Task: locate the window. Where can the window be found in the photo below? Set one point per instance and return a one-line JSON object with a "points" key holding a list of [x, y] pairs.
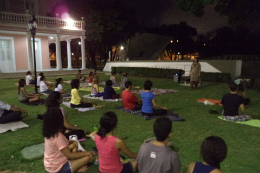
{"points": [[7, 62]]}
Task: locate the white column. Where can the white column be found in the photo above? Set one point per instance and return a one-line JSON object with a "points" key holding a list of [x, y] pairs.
{"points": [[58, 53], [29, 47], [83, 54], [69, 54]]}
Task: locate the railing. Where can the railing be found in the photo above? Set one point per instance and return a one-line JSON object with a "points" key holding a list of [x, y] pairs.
{"points": [[6, 17]]}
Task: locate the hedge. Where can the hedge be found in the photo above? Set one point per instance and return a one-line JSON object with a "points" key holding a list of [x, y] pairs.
{"points": [[148, 72], [168, 73]]}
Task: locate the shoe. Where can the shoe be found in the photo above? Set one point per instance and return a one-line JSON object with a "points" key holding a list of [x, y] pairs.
{"points": [[96, 161], [75, 138]]}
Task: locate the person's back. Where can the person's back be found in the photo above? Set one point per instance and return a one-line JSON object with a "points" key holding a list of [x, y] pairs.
{"points": [[157, 159], [59, 88], [231, 103], [108, 92], [202, 168], [147, 98], [109, 156], [28, 79], [22, 97], [129, 99]]}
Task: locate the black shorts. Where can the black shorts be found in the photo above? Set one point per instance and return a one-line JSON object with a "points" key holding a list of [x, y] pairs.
{"points": [[127, 168], [25, 101]]}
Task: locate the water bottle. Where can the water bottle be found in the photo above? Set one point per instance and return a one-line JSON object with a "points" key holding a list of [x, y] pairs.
{"points": [[95, 128]]}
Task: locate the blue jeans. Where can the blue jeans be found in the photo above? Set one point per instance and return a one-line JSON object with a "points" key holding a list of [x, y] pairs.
{"points": [[66, 168]]}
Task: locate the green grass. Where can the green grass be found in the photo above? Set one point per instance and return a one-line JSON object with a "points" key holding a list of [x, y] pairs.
{"points": [[243, 141]]}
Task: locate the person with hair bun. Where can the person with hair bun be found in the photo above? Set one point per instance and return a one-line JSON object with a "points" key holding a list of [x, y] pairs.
{"points": [[109, 147], [24, 97], [59, 88], [213, 151], [60, 155], [29, 79]]}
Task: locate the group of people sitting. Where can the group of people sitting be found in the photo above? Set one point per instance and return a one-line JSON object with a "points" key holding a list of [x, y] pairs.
{"points": [[61, 156]]}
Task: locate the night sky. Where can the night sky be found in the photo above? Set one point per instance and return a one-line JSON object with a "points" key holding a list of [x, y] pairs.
{"points": [[153, 13]]}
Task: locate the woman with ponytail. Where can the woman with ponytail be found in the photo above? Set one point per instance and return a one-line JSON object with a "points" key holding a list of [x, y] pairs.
{"points": [[109, 147], [213, 151], [59, 88], [24, 97]]}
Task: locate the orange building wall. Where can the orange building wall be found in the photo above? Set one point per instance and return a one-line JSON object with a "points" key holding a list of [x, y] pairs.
{"points": [[45, 52]]}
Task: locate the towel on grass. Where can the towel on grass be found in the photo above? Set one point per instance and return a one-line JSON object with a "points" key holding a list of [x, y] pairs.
{"points": [[156, 91], [251, 122], [13, 126], [101, 89], [171, 116], [101, 98], [79, 109]]}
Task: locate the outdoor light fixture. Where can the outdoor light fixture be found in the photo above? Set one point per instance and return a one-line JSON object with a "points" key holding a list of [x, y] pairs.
{"points": [[51, 38], [177, 41], [32, 25], [79, 43], [70, 23], [122, 47], [171, 41], [72, 53]]}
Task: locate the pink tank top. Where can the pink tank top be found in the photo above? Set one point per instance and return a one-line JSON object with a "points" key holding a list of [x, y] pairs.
{"points": [[109, 156]]}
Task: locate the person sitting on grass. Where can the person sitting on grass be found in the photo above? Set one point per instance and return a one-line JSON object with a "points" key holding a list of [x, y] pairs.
{"points": [[44, 87], [242, 93], [231, 102], [76, 100], [54, 100], [149, 102], [95, 74], [109, 92], [10, 113], [113, 78], [109, 147], [59, 88], [39, 79], [80, 76], [61, 155], [94, 87], [123, 81], [24, 97], [213, 151], [29, 79], [130, 101], [157, 156], [90, 79]]}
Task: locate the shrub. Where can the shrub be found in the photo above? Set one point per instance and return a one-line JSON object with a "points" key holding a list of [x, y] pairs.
{"points": [[148, 72]]}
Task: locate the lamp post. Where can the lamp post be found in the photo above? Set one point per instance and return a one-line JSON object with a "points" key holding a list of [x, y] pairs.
{"points": [[32, 27]]}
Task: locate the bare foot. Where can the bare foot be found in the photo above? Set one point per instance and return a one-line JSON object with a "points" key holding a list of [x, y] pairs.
{"points": [[83, 169]]}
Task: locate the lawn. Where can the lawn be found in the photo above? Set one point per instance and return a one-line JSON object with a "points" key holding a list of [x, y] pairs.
{"points": [[242, 140]]}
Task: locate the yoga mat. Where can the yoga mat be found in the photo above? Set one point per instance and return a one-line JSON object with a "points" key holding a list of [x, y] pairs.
{"points": [[33, 151], [13, 126], [101, 89], [252, 122], [79, 109], [101, 98], [156, 91], [215, 102]]}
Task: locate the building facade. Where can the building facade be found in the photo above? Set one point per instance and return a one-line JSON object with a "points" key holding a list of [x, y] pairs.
{"points": [[16, 45]]}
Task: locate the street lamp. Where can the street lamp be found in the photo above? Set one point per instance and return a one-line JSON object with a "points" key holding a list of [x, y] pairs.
{"points": [[32, 27]]}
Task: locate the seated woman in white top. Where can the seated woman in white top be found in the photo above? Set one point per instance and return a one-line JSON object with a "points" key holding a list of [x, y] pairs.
{"points": [[59, 88], [44, 87], [29, 79], [39, 79]]}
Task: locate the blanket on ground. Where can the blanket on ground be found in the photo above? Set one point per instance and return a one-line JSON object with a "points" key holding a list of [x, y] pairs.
{"points": [[101, 98], [13, 126], [156, 91], [252, 122], [79, 109], [209, 101], [40, 102], [101, 89], [171, 116]]}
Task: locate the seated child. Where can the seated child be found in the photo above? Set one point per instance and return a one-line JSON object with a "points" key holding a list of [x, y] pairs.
{"points": [[24, 97], [90, 79], [29, 79], [44, 87], [80, 76], [59, 88], [123, 81], [113, 78], [129, 99], [231, 102], [76, 101], [109, 92], [60, 154], [94, 87], [54, 100], [157, 156], [242, 93], [96, 75], [213, 151], [149, 101], [109, 147], [10, 113], [39, 79]]}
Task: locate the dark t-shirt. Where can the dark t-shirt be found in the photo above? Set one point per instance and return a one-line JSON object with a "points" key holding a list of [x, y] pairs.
{"points": [[157, 159], [231, 103], [108, 92]]}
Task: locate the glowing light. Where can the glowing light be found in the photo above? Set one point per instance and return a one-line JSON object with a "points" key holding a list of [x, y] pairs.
{"points": [[51, 38], [79, 43], [177, 41], [179, 53], [72, 53], [171, 41], [70, 22], [122, 48], [204, 44]]}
